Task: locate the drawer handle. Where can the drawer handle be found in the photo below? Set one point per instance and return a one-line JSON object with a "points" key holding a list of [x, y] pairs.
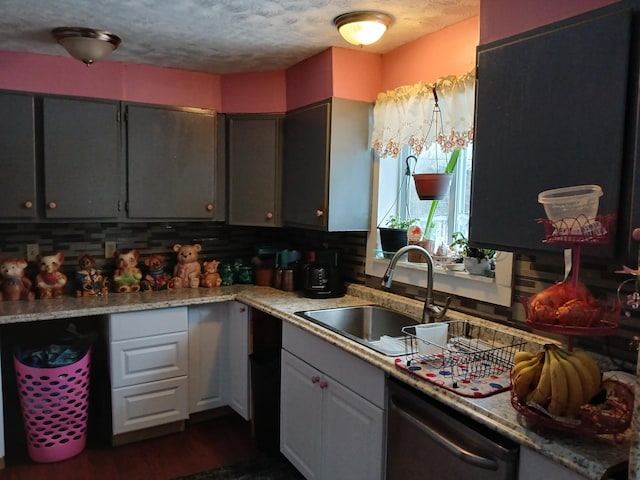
{"points": [[315, 379], [323, 384], [28, 204]]}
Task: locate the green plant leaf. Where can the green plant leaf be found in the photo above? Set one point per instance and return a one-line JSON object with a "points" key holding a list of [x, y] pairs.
{"points": [[451, 166]]}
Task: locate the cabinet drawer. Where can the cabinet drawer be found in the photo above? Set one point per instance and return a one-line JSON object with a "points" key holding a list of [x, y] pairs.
{"points": [[149, 404], [356, 374], [148, 359], [123, 326]]}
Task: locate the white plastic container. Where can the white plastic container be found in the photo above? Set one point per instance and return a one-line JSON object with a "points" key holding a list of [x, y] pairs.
{"points": [[432, 338], [569, 203]]}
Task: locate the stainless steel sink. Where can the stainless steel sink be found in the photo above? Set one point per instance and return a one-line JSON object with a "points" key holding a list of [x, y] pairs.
{"points": [[376, 327]]}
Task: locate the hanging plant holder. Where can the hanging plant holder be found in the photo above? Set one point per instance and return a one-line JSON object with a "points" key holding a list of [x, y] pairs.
{"points": [[432, 186]]}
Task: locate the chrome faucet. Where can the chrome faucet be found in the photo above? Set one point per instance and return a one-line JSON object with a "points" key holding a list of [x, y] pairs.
{"points": [[430, 311]]}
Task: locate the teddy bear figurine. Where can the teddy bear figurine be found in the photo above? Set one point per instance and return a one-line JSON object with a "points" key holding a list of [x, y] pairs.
{"points": [[89, 280], [155, 278], [187, 271], [127, 276], [210, 276], [50, 281], [13, 284]]}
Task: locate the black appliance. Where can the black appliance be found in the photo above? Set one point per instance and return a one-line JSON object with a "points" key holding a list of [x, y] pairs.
{"points": [[323, 274]]}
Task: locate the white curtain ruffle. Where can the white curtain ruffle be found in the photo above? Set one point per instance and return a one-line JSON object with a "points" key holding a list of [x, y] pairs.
{"points": [[407, 116]]}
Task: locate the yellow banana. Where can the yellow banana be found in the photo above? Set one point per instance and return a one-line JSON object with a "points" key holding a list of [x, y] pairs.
{"points": [[522, 356], [542, 393], [525, 380], [559, 387], [524, 364], [590, 383], [575, 395], [592, 366]]}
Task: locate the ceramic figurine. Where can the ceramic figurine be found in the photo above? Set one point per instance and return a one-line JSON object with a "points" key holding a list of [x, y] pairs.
{"points": [[13, 284], [155, 278], [89, 280], [127, 275], [187, 271], [50, 281], [210, 276]]}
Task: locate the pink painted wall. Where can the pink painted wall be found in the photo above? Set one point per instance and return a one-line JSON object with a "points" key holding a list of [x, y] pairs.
{"points": [[450, 51], [259, 92], [114, 80], [502, 18], [310, 80], [356, 74]]}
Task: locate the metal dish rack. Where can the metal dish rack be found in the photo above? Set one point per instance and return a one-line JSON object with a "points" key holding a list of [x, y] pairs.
{"points": [[472, 351]]}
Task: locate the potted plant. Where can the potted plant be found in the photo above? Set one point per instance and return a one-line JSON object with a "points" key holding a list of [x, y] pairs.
{"points": [[476, 260], [394, 236]]}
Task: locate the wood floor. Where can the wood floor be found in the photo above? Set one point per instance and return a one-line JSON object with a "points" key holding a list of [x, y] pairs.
{"points": [[201, 446]]}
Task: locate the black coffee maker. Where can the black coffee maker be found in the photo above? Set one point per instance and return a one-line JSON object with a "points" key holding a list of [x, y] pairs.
{"points": [[323, 274]]}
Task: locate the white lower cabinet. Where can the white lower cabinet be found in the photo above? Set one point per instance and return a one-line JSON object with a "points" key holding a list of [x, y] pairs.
{"points": [[218, 357], [331, 411], [534, 466], [148, 360]]}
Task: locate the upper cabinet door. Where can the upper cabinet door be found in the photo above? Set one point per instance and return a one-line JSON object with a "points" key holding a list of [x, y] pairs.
{"points": [[82, 161], [254, 165], [171, 156], [550, 112], [17, 157]]}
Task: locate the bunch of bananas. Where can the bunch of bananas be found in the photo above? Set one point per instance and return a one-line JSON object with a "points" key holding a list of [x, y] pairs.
{"points": [[556, 379]]}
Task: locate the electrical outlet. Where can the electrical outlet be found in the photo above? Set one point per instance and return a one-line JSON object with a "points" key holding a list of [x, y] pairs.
{"points": [[109, 249], [32, 252]]}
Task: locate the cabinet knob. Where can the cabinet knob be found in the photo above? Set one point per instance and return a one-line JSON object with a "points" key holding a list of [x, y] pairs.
{"points": [[319, 213], [315, 379], [324, 384], [53, 205], [209, 207], [269, 215], [28, 204], [636, 234]]}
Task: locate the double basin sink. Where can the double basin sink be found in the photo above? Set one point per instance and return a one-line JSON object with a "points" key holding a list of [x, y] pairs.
{"points": [[376, 327]]}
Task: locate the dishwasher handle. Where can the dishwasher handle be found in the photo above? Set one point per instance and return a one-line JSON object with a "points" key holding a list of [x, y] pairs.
{"points": [[458, 450]]}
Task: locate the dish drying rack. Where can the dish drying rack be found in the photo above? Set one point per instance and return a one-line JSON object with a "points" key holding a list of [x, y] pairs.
{"points": [[471, 352]]}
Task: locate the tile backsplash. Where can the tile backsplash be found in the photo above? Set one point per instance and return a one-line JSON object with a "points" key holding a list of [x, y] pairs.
{"points": [[228, 243]]}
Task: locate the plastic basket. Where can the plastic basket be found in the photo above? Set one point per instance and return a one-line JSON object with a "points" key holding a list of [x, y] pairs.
{"points": [[55, 407]]}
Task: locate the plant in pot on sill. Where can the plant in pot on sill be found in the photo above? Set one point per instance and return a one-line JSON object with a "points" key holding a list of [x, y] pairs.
{"points": [[477, 261], [394, 236]]}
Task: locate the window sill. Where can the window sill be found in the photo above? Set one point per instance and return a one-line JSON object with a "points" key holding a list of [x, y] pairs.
{"points": [[491, 290]]}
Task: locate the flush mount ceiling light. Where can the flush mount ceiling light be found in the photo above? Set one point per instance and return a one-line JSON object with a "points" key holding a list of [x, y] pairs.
{"points": [[362, 28], [86, 44]]}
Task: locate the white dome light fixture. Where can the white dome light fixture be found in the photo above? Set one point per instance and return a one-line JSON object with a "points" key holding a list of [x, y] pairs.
{"points": [[362, 28], [86, 44]]}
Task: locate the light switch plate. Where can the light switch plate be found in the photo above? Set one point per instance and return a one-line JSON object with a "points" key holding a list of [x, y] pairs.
{"points": [[32, 252], [109, 249]]}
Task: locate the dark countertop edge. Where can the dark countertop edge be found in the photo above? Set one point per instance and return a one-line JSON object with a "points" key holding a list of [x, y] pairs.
{"points": [[592, 460]]}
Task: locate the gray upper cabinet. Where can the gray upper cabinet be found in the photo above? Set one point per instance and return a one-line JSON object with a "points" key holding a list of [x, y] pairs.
{"points": [[254, 169], [82, 161], [550, 112], [171, 162], [17, 157], [327, 166]]}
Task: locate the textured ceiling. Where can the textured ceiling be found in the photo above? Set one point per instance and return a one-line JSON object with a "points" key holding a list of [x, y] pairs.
{"points": [[219, 36]]}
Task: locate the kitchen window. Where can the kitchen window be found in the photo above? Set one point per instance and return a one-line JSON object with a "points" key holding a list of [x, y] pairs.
{"points": [[409, 139]]}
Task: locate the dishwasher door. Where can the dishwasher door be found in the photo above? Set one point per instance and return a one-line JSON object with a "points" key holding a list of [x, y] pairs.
{"points": [[426, 439]]}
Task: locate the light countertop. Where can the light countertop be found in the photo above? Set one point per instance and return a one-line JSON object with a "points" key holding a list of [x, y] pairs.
{"points": [[588, 456]]}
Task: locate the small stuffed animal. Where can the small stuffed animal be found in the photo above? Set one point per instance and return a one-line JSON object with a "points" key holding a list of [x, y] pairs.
{"points": [[89, 280], [210, 276], [187, 271], [50, 281], [127, 275], [156, 278], [14, 285]]}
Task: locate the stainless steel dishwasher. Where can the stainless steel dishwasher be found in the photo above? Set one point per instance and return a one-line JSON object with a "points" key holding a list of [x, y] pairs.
{"points": [[426, 439]]}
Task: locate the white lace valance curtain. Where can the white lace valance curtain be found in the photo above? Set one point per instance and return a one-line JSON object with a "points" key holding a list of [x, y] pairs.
{"points": [[405, 116]]}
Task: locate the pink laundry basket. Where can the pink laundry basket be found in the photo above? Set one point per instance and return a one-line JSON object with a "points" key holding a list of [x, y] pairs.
{"points": [[55, 408]]}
